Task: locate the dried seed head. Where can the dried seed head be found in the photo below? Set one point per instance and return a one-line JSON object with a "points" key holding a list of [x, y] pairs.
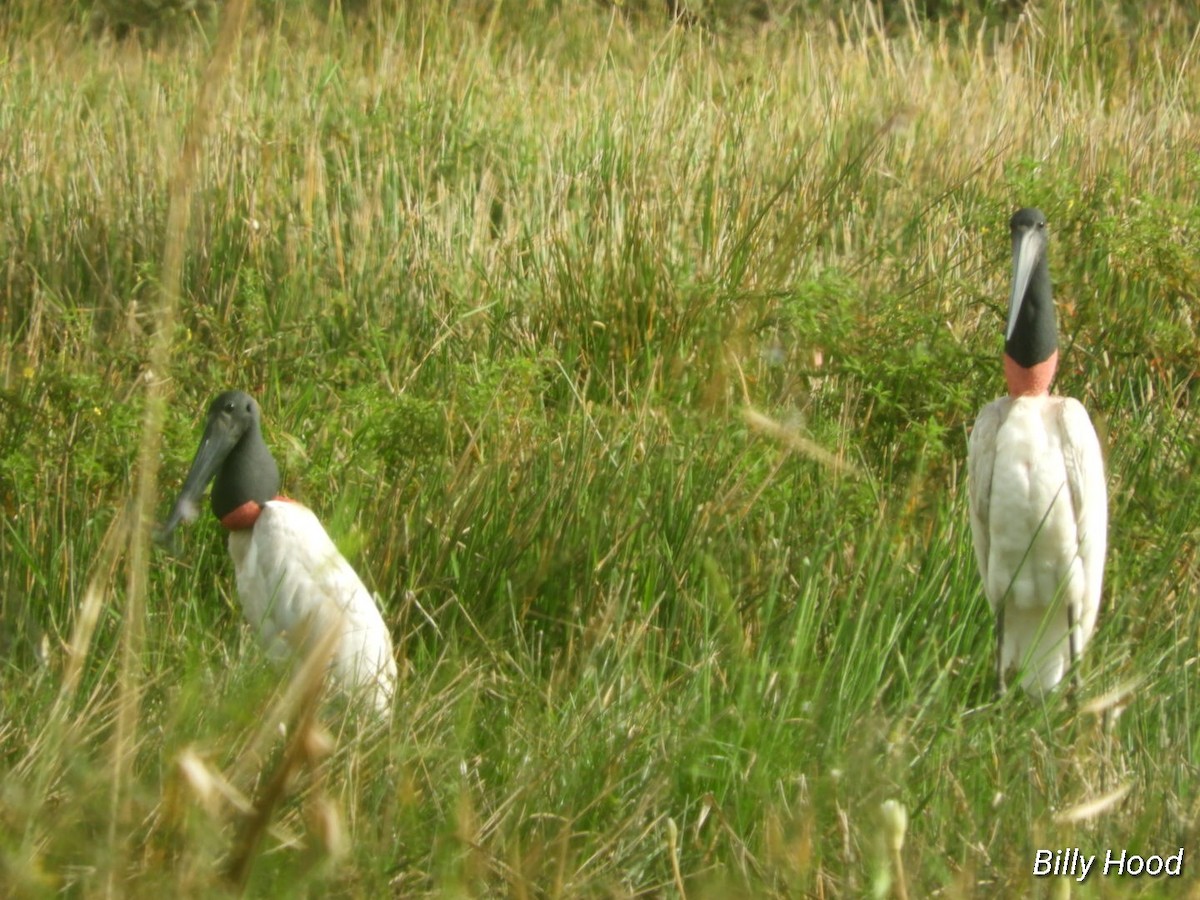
{"points": [[895, 824]]}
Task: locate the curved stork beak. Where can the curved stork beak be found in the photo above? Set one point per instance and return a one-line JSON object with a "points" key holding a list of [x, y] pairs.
{"points": [[1028, 246], [220, 437]]}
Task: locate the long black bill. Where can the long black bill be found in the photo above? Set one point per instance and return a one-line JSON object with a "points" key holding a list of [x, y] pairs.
{"points": [[1026, 250], [214, 447]]}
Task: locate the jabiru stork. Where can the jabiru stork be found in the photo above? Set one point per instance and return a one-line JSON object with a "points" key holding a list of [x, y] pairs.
{"points": [[1039, 507], [292, 582]]}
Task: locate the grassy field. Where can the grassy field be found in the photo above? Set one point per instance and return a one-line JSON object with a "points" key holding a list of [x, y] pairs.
{"points": [[633, 367]]}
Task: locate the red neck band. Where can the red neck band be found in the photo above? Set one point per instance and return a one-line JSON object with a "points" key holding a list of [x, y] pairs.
{"points": [[1029, 382], [244, 516]]}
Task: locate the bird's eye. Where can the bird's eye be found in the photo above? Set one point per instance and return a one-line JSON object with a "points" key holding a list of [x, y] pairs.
{"points": [[1041, 225], [248, 408], [229, 407]]}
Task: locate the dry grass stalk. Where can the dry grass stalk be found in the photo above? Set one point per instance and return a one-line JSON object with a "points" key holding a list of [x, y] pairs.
{"points": [[88, 612], [1089, 809], [307, 744], [793, 440], [146, 485]]}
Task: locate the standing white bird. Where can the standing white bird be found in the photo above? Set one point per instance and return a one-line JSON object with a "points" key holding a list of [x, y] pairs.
{"points": [[1039, 508], [293, 583]]}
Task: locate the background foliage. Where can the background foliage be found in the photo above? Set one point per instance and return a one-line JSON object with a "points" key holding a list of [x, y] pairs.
{"points": [[505, 279]]}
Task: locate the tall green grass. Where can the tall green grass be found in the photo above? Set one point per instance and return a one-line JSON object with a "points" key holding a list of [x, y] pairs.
{"points": [[506, 284]]}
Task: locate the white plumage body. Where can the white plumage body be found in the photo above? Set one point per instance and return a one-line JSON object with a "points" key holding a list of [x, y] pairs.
{"points": [[293, 584], [1039, 518]]}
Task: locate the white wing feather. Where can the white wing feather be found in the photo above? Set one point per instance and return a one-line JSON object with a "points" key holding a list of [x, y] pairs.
{"points": [[1089, 496], [981, 458], [1039, 523], [293, 583]]}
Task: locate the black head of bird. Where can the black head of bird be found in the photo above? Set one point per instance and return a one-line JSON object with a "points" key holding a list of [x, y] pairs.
{"points": [[1031, 335], [232, 452]]}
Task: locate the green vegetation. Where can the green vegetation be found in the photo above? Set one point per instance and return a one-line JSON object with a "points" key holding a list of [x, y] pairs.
{"points": [[506, 282]]}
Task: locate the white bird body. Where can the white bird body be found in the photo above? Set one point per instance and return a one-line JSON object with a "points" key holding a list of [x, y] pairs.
{"points": [[1039, 515], [293, 583], [1039, 506]]}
